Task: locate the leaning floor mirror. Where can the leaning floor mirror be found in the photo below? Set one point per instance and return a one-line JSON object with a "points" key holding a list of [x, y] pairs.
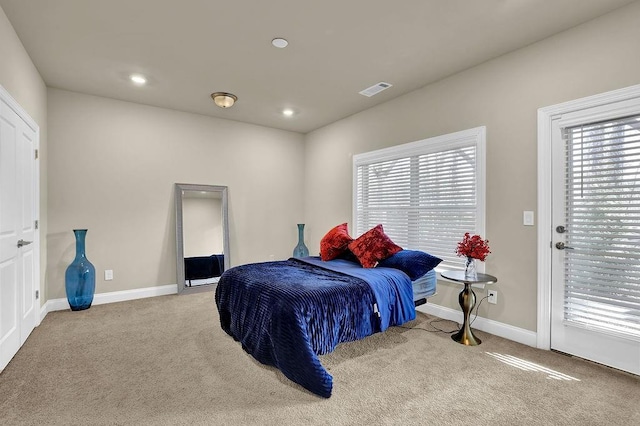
{"points": [[202, 236]]}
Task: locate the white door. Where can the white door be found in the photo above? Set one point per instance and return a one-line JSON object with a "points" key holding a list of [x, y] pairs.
{"points": [[19, 255], [595, 267]]}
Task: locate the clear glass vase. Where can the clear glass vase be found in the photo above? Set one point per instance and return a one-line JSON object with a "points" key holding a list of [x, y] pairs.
{"points": [[470, 270], [80, 276], [300, 250]]}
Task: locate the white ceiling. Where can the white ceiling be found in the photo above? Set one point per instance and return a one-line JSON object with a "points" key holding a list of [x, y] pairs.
{"points": [[191, 48]]}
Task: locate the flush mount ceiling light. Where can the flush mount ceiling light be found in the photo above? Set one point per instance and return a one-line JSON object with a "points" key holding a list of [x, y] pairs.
{"points": [[224, 99], [280, 43], [288, 112], [138, 79]]}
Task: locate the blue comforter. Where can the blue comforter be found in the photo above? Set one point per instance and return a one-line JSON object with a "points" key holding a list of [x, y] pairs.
{"points": [[287, 313]]}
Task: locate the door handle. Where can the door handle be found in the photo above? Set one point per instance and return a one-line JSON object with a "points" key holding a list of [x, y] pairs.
{"points": [[23, 243], [561, 246]]}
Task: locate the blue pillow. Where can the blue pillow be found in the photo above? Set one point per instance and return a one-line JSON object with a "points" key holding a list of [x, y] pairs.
{"points": [[412, 262]]}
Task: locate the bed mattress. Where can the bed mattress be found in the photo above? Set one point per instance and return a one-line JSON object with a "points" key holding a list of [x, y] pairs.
{"points": [[424, 286]]}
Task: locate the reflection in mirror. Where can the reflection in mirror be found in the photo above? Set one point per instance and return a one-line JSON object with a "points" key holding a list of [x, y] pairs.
{"points": [[202, 235]]}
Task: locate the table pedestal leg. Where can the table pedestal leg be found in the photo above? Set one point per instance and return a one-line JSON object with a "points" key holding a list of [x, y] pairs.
{"points": [[467, 299]]}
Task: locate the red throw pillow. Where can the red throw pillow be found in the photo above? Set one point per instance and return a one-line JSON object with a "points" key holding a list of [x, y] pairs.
{"points": [[335, 242], [373, 246]]}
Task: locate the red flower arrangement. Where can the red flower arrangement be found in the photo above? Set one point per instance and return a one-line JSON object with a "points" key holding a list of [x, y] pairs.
{"points": [[473, 247]]}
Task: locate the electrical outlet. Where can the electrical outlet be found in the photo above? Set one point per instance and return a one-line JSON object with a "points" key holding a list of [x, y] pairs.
{"points": [[108, 274], [493, 297]]}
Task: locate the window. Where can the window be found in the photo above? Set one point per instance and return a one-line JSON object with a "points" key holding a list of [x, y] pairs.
{"points": [[426, 194], [602, 272]]}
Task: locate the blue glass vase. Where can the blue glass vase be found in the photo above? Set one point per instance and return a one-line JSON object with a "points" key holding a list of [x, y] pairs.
{"points": [[80, 277], [300, 250]]}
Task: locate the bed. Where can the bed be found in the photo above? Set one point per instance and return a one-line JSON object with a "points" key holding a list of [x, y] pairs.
{"points": [[286, 313]]}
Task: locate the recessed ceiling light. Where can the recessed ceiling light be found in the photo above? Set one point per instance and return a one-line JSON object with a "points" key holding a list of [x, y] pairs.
{"points": [[138, 79], [287, 112], [280, 43]]}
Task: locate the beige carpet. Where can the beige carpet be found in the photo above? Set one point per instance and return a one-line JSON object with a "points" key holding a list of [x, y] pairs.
{"points": [[166, 361]]}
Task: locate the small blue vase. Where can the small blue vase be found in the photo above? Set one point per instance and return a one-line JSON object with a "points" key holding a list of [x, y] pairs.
{"points": [[80, 277], [301, 250]]}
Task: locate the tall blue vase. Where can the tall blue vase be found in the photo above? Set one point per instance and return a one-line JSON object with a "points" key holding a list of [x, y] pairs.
{"points": [[80, 277], [300, 250]]}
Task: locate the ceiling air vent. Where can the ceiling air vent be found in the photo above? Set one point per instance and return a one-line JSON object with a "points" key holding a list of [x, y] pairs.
{"points": [[375, 89]]}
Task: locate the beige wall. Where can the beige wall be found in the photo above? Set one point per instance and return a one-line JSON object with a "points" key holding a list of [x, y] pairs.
{"points": [[110, 166], [504, 95], [21, 79], [112, 169]]}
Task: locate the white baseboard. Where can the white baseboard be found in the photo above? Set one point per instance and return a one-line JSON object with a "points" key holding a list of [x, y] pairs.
{"points": [[111, 297], [520, 335], [506, 331]]}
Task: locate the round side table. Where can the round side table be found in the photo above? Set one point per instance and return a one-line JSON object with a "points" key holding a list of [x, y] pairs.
{"points": [[467, 300]]}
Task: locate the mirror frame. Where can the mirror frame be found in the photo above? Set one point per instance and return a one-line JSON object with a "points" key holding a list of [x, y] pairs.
{"points": [[179, 188]]}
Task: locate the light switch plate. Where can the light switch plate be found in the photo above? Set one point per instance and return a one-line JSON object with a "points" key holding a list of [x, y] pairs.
{"points": [[108, 274], [527, 218]]}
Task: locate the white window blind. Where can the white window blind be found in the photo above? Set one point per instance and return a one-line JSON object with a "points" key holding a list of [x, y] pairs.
{"points": [[602, 266], [426, 194]]}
